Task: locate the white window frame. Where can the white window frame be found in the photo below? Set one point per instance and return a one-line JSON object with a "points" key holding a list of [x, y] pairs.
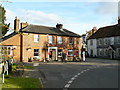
{"points": [[59, 40], [118, 39], [60, 53], [105, 41], [70, 51], [100, 50], [69, 40], [37, 52], [118, 52], [36, 38], [6, 50], [50, 39]]}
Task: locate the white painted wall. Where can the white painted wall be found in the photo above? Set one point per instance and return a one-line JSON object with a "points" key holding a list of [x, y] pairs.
{"points": [[92, 47]]}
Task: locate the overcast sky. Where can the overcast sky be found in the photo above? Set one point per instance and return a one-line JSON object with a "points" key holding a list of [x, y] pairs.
{"points": [[76, 16]]}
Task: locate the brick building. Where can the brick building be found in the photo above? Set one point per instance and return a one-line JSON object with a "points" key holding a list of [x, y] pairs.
{"points": [[41, 42]]}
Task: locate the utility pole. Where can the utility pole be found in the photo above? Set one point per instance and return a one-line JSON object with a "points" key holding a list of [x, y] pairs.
{"points": [[84, 40]]}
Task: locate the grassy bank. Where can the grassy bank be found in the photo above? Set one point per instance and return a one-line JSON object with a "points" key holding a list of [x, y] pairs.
{"points": [[21, 82], [12, 81]]}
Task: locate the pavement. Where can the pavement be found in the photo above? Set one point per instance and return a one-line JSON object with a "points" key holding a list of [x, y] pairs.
{"points": [[93, 73]]}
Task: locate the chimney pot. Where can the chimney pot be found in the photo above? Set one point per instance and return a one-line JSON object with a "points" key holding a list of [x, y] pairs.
{"points": [[59, 26], [16, 24]]}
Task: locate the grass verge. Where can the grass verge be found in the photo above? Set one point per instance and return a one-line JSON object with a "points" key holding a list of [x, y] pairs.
{"points": [[11, 81], [21, 82], [28, 67]]}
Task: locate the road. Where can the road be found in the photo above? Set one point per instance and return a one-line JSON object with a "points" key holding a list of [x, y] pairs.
{"points": [[94, 73]]}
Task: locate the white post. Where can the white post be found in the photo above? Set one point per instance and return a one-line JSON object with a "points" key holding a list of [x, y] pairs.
{"points": [[3, 77], [83, 55], [48, 53], [3, 74], [56, 53]]}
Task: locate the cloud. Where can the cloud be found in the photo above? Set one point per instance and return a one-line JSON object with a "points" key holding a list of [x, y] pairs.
{"points": [[32, 16], [107, 8], [10, 16], [39, 17]]}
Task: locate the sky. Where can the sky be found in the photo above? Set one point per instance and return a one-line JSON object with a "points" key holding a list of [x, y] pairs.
{"points": [[78, 16]]}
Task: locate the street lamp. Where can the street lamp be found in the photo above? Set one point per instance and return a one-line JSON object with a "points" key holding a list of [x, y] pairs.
{"points": [[83, 41]]}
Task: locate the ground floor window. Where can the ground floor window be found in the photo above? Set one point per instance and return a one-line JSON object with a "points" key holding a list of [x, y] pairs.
{"points": [[36, 52], [59, 52], [91, 52], [5, 50], [100, 52], [70, 52], [118, 51]]}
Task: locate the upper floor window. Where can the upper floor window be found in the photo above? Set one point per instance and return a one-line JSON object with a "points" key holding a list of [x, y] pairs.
{"points": [[91, 42], [118, 51], [70, 40], [100, 42], [60, 40], [119, 39], [50, 39], [36, 38], [105, 41]]}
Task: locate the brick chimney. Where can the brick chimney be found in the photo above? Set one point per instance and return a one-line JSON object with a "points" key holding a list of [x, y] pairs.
{"points": [[94, 30], [59, 26], [24, 25], [16, 24], [119, 20]]}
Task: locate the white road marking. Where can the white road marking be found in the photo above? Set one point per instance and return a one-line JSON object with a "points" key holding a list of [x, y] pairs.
{"points": [[88, 69], [72, 78], [67, 85], [70, 81], [76, 76], [82, 72]]}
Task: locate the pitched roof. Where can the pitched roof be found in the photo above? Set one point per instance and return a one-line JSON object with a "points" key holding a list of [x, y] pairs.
{"points": [[109, 31], [48, 30], [8, 36]]}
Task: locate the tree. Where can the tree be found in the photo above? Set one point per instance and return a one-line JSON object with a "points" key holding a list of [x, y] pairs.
{"points": [[3, 26]]}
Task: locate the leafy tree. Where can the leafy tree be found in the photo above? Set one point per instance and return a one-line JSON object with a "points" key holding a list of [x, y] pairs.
{"points": [[3, 26]]}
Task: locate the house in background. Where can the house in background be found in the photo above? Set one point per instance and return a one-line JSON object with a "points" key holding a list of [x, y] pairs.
{"points": [[41, 42], [105, 42]]}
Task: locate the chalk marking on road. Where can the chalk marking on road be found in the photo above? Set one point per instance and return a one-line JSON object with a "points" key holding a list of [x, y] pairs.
{"points": [[70, 81], [67, 85]]}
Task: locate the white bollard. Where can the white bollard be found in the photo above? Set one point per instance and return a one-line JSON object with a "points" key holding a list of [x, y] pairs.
{"points": [[83, 55], [3, 77]]}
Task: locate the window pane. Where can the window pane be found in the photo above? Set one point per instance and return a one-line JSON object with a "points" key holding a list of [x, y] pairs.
{"points": [[50, 39], [36, 52]]}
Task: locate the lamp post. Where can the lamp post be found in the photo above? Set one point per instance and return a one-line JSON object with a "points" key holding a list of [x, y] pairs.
{"points": [[83, 41]]}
